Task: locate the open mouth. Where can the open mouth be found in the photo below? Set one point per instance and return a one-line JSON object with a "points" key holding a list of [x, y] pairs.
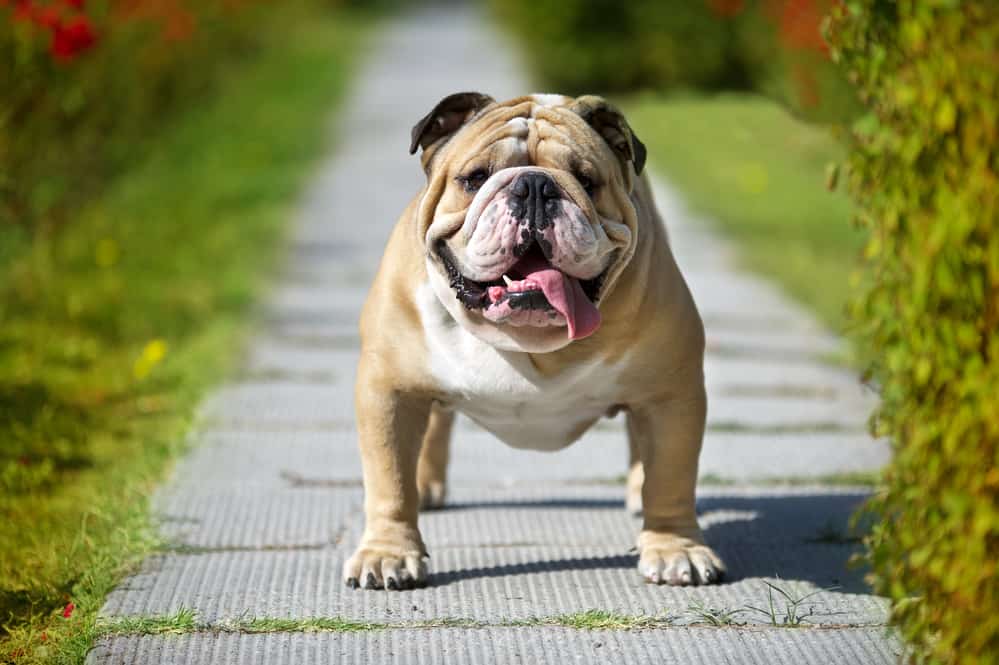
{"points": [[533, 292]]}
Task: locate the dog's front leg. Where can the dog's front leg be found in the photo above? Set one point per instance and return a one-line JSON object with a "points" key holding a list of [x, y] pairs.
{"points": [[390, 425], [667, 434]]}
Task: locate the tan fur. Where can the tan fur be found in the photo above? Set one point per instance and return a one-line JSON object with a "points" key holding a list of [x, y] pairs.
{"points": [[650, 325]]}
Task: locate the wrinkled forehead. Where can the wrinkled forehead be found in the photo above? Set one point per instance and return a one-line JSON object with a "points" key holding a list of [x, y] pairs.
{"points": [[536, 130]]}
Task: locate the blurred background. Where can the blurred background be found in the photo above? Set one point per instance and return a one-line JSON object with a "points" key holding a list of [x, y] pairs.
{"points": [[151, 153]]}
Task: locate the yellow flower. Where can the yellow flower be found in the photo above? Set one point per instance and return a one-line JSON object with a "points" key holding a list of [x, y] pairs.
{"points": [[154, 352]]}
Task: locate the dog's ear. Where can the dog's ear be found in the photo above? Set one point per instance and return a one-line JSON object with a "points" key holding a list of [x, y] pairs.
{"points": [[611, 125], [446, 118]]}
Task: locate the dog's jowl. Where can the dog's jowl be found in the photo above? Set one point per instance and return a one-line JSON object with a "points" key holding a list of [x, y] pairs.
{"points": [[530, 286]]}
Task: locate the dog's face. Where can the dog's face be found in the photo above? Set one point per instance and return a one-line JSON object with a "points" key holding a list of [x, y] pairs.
{"points": [[528, 218]]}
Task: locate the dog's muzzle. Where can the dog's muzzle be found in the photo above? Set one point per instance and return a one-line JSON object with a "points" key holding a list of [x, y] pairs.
{"points": [[525, 262]]}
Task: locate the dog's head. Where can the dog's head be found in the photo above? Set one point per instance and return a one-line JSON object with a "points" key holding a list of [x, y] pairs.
{"points": [[528, 218]]}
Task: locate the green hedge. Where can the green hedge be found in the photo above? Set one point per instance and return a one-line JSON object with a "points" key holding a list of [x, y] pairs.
{"points": [[580, 46], [924, 170], [586, 46]]}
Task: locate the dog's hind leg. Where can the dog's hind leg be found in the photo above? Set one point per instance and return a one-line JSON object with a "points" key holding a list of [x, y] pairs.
{"points": [[431, 473], [636, 478]]}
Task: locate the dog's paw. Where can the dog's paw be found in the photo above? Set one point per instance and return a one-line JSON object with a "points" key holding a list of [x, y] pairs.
{"points": [[666, 558], [432, 494], [382, 567]]}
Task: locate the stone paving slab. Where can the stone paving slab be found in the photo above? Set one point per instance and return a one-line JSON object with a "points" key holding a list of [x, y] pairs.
{"points": [[319, 299], [735, 294], [488, 584], [305, 266], [310, 458], [532, 516], [278, 315], [315, 335], [510, 646], [805, 377], [248, 517], [791, 411], [770, 344], [754, 362], [283, 403], [336, 364]]}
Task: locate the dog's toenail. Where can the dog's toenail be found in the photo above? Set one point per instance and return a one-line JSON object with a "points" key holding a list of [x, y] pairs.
{"points": [[352, 583], [371, 582], [391, 583]]}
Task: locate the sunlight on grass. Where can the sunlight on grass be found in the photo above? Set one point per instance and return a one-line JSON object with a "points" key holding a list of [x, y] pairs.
{"points": [[113, 328], [759, 173]]}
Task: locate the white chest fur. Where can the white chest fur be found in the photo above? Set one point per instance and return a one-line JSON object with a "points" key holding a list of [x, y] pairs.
{"points": [[504, 393]]}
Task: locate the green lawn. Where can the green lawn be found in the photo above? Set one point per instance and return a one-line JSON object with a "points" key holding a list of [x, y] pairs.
{"points": [[111, 330], [760, 174]]}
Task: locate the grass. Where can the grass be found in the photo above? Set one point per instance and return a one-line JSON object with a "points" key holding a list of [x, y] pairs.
{"points": [[112, 329], [845, 479], [747, 164], [789, 428], [783, 609], [310, 625], [715, 616], [183, 621], [786, 609], [605, 620]]}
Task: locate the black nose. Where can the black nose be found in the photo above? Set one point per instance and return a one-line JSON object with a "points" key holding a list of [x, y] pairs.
{"points": [[535, 186], [534, 200]]}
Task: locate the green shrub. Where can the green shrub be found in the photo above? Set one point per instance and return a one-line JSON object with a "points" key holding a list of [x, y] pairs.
{"points": [[580, 46], [113, 328], [923, 168]]}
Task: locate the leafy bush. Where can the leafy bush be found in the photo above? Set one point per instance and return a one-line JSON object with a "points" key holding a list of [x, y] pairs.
{"points": [[580, 46], [83, 83], [924, 169], [112, 328], [774, 46]]}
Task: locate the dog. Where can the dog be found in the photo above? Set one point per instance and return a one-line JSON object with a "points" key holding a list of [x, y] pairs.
{"points": [[529, 285]]}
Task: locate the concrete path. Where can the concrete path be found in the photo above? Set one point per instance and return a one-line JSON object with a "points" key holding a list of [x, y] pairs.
{"points": [[263, 512]]}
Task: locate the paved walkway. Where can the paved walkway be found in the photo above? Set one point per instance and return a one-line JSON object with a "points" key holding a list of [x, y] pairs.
{"points": [[268, 505]]}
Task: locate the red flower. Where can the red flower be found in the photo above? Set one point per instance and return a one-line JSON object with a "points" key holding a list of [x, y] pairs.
{"points": [[24, 11], [67, 611], [726, 8], [72, 38], [47, 17], [75, 4]]}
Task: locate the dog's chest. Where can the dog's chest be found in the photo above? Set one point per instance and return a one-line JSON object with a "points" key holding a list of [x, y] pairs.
{"points": [[503, 392]]}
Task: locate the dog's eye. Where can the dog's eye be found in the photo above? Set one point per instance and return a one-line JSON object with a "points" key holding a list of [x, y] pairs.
{"points": [[474, 180], [586, 184]]}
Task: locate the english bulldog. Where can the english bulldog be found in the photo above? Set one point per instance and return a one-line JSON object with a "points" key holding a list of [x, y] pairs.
{"points": [[530, 286]]}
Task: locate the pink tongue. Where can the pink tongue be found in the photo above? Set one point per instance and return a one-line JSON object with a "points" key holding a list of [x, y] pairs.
{"points": [[565, 294]]}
